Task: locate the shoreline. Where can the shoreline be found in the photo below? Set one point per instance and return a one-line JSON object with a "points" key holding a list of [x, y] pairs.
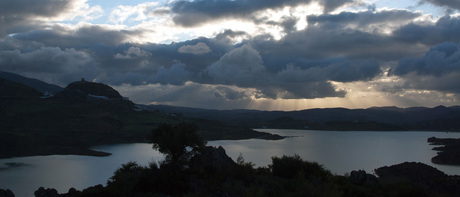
{"points": [[56, 151], [448, 150], [43, 150]]}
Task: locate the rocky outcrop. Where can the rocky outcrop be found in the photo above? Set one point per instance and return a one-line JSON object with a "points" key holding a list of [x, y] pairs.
{"points": [[360, 177], [212, 157], [6, 193]]}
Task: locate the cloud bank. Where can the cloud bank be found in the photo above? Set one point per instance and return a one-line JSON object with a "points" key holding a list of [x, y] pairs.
{"points": [[283, 52]]}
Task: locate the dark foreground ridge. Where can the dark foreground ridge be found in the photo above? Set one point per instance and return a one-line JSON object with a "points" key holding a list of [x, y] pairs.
{"points": [[213, 173], [191, 168], [448, 150]]}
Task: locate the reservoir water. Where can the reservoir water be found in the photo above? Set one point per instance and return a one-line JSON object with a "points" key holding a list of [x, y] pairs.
{"points": [[338, 151]]}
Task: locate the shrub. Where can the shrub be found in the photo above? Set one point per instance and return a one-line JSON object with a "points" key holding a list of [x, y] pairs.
{"points": [[294, 167]]}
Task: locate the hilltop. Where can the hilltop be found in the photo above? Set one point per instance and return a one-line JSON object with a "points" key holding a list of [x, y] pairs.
{"points": [[82, 115], [91, 92]]}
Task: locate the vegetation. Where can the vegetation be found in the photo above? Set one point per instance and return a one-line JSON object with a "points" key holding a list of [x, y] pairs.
{"points": [[82, 115], [338, 119], [190, 169], [448, 151], [175, 140], [72, 121]]}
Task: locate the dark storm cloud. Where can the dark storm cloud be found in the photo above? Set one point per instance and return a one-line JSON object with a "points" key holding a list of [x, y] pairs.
{"points": [[301, 65], [342, 71], [84, 36], [19, 15], [448, 83], [440, 60], [364, 18], [344, 47], [356, 36], [192, 13], [244, 67], [326, 41], [107, 57], [446, 29], [190, 94], [51, 64], [452, 4], [438, 69]]}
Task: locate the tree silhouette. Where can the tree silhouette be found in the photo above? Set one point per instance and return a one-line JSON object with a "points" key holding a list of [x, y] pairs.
{"points": [[178, 142]]}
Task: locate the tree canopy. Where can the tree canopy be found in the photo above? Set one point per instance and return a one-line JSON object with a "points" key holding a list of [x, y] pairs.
{"points": [[178, 142]]}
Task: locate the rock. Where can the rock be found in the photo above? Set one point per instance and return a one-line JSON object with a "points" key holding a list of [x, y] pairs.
{"points": [[6, 193], [360, 177], [212, 157], [211, 160], [49, 192]]}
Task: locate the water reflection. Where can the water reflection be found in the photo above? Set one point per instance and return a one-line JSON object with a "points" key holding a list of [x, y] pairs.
{"points": [[342, 152], [64, 171], [339, 152]]}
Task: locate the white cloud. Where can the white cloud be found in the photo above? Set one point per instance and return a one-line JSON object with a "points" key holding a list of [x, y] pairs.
{"points": [[132, 52], [77, 10], [242, 66], [197, 49], [133, 13]]}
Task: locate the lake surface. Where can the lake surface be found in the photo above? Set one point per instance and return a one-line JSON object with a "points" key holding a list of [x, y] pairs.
{"points": [[340, 152]]}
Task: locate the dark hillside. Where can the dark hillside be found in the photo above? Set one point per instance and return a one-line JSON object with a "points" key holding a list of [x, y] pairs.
{"points": [[86, 114], [10, 89], [34, 83], [98, 89]]}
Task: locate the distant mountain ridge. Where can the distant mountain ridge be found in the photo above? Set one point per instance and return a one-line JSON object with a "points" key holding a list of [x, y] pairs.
{"points": [[387, 118], [34, 83], [439, 118]]}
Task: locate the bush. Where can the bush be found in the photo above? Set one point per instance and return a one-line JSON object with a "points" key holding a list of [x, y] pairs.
{"points": [[294, 167]]}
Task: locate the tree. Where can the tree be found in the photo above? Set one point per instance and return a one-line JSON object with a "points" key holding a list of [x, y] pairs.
{"points": [[178, 142]]}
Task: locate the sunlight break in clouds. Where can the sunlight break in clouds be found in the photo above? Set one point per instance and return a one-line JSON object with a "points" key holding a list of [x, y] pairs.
{"points": [[260, 54]]}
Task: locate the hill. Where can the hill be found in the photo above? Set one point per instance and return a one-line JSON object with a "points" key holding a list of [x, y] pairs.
{"points": [[15, 90], [82, 115], [34, 83], [376, 118]]}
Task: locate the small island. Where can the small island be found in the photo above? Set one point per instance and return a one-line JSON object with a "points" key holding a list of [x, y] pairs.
{"points": [[448, 150]]}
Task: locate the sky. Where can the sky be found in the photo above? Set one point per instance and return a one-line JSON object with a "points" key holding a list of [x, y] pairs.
{"points": [[240, 54]]}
